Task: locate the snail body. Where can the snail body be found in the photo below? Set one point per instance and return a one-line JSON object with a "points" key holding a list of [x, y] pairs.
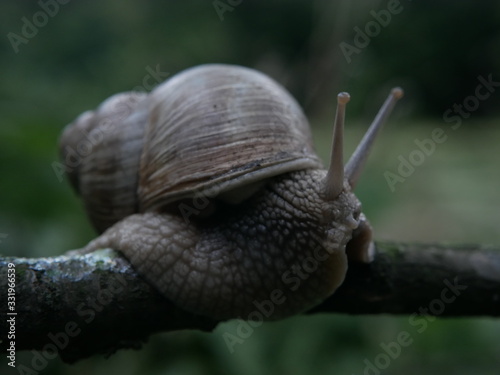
{"points": [[210, 187]]}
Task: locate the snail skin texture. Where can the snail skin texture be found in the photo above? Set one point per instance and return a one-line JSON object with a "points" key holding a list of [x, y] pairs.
{"points": [[210, 187]]}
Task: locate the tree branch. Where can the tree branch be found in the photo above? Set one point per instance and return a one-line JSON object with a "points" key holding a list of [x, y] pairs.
{"points": [[84, 305]]}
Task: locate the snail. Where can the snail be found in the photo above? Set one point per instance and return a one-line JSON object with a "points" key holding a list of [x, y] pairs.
{"points": [[210, 187]]}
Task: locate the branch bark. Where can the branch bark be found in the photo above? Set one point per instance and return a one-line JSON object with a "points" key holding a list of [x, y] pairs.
{"points": [[78, 306]]}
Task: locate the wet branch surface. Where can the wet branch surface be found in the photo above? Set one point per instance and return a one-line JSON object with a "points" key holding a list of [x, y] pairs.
{"points": [[97, 304]]}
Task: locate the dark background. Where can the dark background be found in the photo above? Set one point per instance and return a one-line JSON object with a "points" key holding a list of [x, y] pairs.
{"points": [[436, 50]]}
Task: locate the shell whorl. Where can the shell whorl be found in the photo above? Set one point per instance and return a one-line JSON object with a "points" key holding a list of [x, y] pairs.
{"points": [[214, 126], [225, 127], [105, 172]]}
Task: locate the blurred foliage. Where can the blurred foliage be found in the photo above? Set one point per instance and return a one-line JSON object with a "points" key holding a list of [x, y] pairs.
{"points": [[90, 50]]}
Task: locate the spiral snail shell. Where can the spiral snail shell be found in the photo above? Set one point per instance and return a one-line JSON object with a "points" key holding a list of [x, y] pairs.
{"points": [[235, 148]]}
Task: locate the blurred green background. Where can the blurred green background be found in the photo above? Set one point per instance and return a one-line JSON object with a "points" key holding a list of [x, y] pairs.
{"points": [[86, 51]]}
